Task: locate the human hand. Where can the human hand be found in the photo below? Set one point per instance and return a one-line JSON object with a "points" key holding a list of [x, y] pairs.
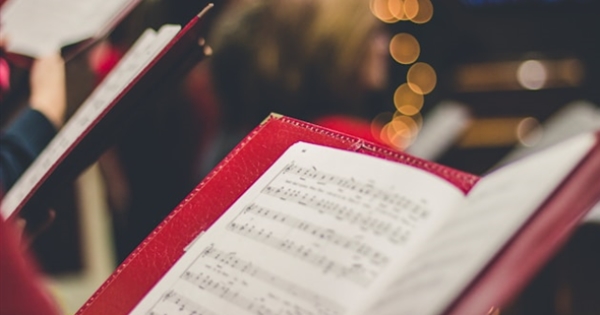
{"points": [[48, 88]]}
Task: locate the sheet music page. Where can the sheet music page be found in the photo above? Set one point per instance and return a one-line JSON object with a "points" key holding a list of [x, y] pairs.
{"points": [[133, 62], [37, 27], [319, 230], [494, 210]]}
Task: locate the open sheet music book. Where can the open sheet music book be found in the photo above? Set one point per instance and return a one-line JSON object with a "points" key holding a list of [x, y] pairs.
{"points": [[327, 231], [294, 222], [154, 58], [35, 28]]}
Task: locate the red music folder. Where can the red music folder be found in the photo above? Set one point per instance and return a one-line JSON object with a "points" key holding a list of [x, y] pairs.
{"points": [[152, 64], [299, 219]]}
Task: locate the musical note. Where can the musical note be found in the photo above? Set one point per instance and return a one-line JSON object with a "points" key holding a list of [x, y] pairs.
{"points": [[230, 259], [305, 239], [367, 222], [218, 277], [365, 189], [322, 233], [358, 276], [182, 304]]}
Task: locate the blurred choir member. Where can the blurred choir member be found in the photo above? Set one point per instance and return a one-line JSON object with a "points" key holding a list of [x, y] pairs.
{"points": [[21, 291], [150, 168], [308, 59]]}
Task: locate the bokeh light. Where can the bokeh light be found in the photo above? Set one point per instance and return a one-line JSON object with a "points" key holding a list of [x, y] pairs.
{"points": [[529, 132], [407, 101], [425, 12], [379, 122], [396, 8], [400, 129], [381, 10], [400, 132], [404, 48], [417, 118], [411, 8], [421, 78], [532, 74], [572, 71]]}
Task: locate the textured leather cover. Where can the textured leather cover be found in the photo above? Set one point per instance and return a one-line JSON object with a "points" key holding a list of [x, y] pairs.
{"points": [[159, 251]]}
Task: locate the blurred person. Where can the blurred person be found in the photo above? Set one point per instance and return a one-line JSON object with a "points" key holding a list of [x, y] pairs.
{"points": [[149, 170], [21, 290], [309, 59], [30, 132]]}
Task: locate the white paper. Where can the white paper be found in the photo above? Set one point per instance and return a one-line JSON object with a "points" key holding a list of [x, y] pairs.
{"points": [[137, 58], [38, 27], [594, 215], [441, 128], [495, 209], [313, 235]]}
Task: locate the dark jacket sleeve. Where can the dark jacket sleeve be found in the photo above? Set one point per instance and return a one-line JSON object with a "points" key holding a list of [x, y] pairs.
{"points": [[21, 143]]}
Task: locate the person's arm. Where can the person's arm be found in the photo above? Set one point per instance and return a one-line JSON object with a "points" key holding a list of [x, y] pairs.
{"points": [[48, 88], [22, 142], [29, 134]]}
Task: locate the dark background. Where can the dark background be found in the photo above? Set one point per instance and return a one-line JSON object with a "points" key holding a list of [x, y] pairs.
{"points": [[469, 32]]}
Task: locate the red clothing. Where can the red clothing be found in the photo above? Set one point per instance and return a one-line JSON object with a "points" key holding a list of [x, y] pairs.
{"points": [[21, 292]]}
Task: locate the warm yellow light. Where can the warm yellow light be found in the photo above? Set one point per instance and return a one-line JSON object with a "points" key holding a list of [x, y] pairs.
{"points": [[417, 118], [411, 8], [494, 132], [425, 12], [381, 10], [392, 137], [404, 96], [409, 110], [396, 8], [400, 122], [421, 78], [401, 131], [379, 122], [404, 48], [571, 70], [518, 75], [384, 135]]}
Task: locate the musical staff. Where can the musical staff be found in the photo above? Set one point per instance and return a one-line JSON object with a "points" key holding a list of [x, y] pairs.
{"points": [[343, 212], [259, 306], [301, 241], [322, 233], [183, 305], [364, 189], [356, 273], [222, 275], [231, 260]]}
